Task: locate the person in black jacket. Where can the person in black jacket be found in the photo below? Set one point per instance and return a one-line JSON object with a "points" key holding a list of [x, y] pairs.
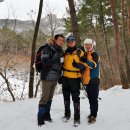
{"points": [[50, 72]]}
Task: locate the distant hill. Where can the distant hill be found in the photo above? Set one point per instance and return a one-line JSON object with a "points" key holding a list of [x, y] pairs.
{"points": [[45, 26]]}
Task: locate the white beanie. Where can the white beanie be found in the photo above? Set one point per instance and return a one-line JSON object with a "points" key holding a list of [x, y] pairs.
{"points": [[89, 41]]}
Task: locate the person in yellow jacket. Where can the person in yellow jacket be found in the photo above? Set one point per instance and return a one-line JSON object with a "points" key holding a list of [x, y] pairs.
{"points": [[91, 77], [71, 79]]}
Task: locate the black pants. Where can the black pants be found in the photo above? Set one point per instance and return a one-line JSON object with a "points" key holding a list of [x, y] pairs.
{"points": [[93, 91], [71, 86]]}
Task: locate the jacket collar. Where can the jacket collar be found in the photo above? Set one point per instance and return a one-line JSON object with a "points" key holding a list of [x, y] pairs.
{"points": [[70, 50]]}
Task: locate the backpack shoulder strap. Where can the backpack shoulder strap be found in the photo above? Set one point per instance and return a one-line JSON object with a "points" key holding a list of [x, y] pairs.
{"points": [[39, 51]]}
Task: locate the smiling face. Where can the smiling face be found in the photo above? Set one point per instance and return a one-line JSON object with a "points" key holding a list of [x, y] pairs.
{"points": [[71, 43], [88, 46], [59, 41]]}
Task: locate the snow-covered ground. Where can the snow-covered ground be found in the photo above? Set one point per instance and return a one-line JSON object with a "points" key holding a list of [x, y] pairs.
{"points": [[114, 113]]}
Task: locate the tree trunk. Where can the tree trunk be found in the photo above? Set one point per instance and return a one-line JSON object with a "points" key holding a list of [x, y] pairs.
{"points": [[124, 42], [37, 88], [127, 68], [33, 48], [110, 70], [51, 24], [104, 78], [74, 22], [123, 78], [128, 9]]}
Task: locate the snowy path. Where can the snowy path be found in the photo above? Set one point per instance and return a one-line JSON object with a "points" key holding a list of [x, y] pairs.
{"points": [[114, 113]]}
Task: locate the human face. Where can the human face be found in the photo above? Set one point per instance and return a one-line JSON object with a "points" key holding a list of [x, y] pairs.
{"points": [[88, 46], [71, 43], [59, 41]]}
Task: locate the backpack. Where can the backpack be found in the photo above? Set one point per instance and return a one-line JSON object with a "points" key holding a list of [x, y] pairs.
{"points": [[38, 62]]}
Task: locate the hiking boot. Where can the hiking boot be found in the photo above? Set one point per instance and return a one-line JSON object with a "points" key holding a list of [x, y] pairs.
{"points": [[76, 123], [88, 117], [66, 118], [91, 119], [48, 117]]}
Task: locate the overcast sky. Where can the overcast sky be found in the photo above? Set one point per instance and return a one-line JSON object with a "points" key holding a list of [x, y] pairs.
{"points": [[21, 8]]}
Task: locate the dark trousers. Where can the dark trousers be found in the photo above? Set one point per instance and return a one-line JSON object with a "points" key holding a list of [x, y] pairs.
{"points": [[48, 88], [71, 87], [93, 91]]}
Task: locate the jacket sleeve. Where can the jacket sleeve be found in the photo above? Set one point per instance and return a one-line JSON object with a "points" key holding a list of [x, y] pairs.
{"points": [[95, 59]]}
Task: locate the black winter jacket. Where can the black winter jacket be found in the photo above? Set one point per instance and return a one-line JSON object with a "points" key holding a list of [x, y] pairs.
{"points": [[51, 65]]}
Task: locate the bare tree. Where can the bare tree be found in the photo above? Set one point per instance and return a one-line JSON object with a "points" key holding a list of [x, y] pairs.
{"points": [[51, 18], [31, 15], [54, 22], [15, 17], [33, 48], [3, 74]]}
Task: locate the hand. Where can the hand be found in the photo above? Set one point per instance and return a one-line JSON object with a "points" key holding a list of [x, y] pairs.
{"points": [[78, 65], [74, 63], [83, 59], [81, 67]]}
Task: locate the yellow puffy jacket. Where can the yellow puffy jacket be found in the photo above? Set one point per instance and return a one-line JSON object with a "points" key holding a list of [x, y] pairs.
{"points": [[68, 69]]}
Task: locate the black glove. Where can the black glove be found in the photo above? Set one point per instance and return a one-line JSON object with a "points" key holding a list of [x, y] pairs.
{"points": [[81, 67], [83, 59], [78, 65], [75, 64]]}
